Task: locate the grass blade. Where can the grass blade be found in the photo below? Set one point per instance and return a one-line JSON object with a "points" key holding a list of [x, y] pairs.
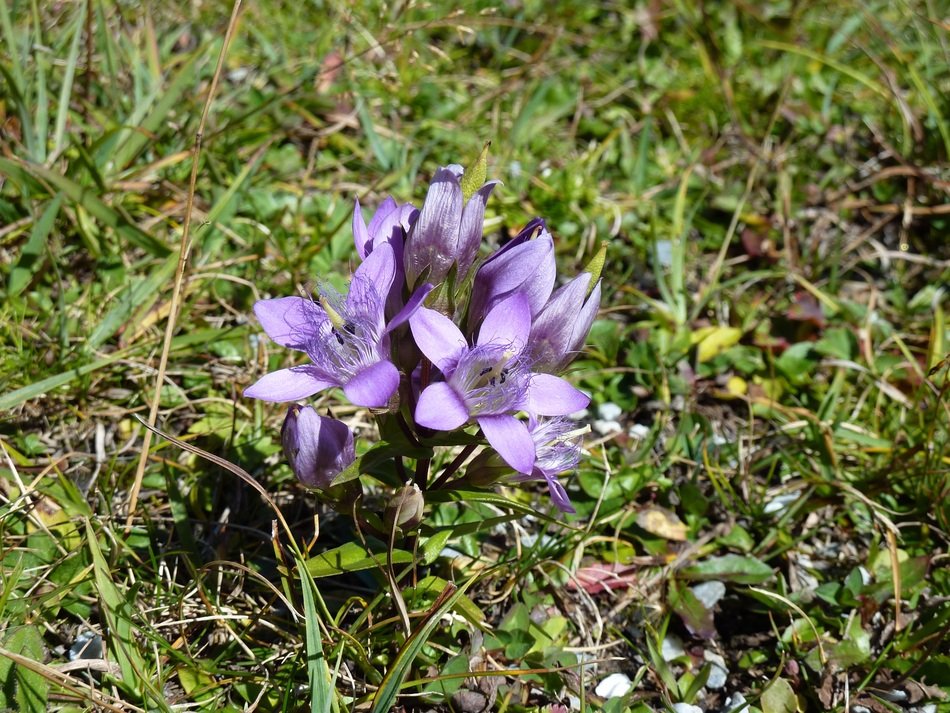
{"points": [[65, 92], [117, 611], [131, 298], [318, 671], [30, 261], [26, 173], [42, 98], [402, 664], [133, 140]]}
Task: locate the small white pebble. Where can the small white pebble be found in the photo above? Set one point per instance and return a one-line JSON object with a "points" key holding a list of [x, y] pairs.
{"points": [[614, 686], [860, 709], [609, 411], [605, 428], [717, 671], [780, 502], [664, 252], [639, 431], [709, 593], [735, 702], [686, 708], [672, 648]]}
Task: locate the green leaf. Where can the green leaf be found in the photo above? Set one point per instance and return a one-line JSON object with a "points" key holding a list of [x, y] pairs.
{"points": [[596, 266], [433, 546], [728, 568], [351, 557], [22, 689], [779, 698], [432, 586], [696, 617], [30, 257], [838, 342], [446, 687]]}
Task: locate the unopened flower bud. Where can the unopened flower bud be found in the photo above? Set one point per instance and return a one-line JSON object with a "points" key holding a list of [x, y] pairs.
{"points": [[317, 448], [406, 509]]}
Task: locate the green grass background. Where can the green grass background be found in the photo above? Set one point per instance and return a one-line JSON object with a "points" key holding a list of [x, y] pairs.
{"points": [[771, 181]]}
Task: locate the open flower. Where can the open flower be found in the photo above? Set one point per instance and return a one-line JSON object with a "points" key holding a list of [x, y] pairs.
{"points": [[524, 265], [448, 230], [345, 338], [557, 451], [490, 381], [317, 448], [560, 328]]}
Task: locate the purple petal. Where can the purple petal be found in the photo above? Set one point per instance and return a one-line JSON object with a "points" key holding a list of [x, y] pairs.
{"points": [[407, 216], [527, 233], [297, 382], [373, 386], [508, 322], [434, 238], [529, 268], [290, 321], [437, 337], [558, 494], [471, 227], [550, 395], [377, 270], [510, 438], [440, 408], [360, 233], [554, 328], [414, 303], [585, 319], [382, 216]]}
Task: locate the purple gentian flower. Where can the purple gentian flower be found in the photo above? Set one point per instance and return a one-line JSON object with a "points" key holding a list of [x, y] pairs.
{"points": [[560, 328], [448, 230], [389, 224], [490, 381], [524, 265], [318, 448], [556, 451], [345, 338]]}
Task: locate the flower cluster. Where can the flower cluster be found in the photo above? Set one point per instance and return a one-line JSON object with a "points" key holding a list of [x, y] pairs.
{"points": [[439, 343]]}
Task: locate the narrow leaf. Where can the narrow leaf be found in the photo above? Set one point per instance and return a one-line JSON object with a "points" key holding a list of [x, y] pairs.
{"points": [[318, 672], [402, 664], [351, 557], [65, 92], [30, 257]]}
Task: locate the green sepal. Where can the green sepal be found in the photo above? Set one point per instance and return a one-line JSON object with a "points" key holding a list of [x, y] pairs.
{"points": [[596, 266], [474, 177]]}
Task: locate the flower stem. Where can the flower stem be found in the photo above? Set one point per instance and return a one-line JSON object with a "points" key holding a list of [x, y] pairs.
{"points": [[453, 467], [422, 473]]}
